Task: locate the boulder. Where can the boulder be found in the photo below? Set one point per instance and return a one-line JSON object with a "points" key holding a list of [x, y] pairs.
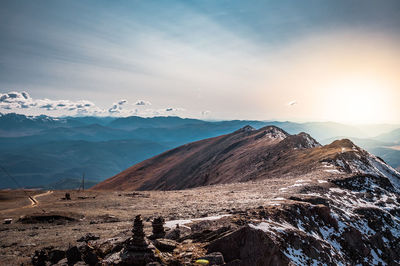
{"points": [[248, 246], [88, 255], [63, 262], [39, 258], [56, 255], [88, 237], [73, 255], [165, 245]]}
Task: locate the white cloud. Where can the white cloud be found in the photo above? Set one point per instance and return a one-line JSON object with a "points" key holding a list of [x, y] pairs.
{"points": [[117, 108], [16, 100], [22, 100], [121, 102], [141, 102], [173, 109]]}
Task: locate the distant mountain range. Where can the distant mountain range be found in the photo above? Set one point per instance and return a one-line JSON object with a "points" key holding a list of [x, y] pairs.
{"points": [[42, 151]]}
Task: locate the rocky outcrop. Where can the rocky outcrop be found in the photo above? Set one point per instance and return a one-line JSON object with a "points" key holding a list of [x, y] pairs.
{"points": [[248, 246]]}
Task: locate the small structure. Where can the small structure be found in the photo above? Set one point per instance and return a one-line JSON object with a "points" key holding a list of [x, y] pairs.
{"points": [[137, 250], [67, 196], [138, 241], [158, 228]]}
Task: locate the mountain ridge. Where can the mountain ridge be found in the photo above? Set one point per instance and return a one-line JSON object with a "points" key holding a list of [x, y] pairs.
{"points": [[244, 155]]}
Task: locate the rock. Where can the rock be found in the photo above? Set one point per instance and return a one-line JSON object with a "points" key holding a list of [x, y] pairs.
{"points": [[136, 251], [158, 228], [39, 258], [56, 255], [165, 245], [88, 237], [250, 246], [90, 257], [138, 241], [110, 219], [215, 258], [128, 257], [88, 254], [7, 221], [63, 262], [111, 245], [173, 234], [73, 255], [353, 243]]}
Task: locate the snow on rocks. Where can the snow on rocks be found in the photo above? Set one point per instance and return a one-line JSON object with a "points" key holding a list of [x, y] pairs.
{"points": [[173, 223]]}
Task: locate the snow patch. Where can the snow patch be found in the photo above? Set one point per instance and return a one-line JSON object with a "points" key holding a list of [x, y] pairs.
{"points": [[172, 224]]}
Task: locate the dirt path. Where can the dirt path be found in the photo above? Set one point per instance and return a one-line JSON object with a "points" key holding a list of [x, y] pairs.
{"points": [[35, 201]]}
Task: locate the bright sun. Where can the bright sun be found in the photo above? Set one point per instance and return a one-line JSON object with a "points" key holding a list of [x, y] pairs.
{"points": [[357, 100]]}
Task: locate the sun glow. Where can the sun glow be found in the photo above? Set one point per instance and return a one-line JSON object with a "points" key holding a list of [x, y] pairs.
{"points": [[358, 100]]}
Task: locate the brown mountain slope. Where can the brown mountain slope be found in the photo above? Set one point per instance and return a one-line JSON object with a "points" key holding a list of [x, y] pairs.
{"points": [[244, 155]]}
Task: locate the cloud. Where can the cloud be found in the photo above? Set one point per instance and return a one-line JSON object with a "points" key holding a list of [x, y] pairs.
{"points": [[141, 102], [16, 100], [172, 109], [22, 100], [291, 103], [121, 102], [117, 107]]}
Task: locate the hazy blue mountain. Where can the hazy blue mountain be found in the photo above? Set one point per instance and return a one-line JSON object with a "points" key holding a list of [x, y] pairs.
{"points": [[15, 125], [44, 150], [391, 156], [70, 183], [135, 122], [49, 162], [92, 133], [392, 136]]}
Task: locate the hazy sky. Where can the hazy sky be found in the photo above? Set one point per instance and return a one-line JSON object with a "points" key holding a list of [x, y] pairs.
{"points": [[288, 60]]}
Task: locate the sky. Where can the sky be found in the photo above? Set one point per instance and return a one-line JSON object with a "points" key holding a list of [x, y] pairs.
{"points": [[311, 60]]}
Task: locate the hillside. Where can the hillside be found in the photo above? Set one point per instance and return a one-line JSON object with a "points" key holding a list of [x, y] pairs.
{"points": [[244, 155]]}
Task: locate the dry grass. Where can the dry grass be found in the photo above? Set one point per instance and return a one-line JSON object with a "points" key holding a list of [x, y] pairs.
{"points": [[19, 240]]}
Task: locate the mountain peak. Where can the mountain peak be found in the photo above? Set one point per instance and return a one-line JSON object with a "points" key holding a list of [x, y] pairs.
{"points": [[246, 128], [274, 132]]}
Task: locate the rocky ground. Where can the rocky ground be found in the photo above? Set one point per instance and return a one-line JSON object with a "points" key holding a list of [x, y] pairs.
{"points": [[327, 217]]}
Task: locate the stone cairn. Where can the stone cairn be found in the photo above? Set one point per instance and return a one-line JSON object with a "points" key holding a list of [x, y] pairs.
{"points": [[158, 228], [138, 241]]}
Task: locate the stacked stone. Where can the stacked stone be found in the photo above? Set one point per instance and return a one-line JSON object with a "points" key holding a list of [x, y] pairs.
{"points": [[138, 241], [158, 228]]}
